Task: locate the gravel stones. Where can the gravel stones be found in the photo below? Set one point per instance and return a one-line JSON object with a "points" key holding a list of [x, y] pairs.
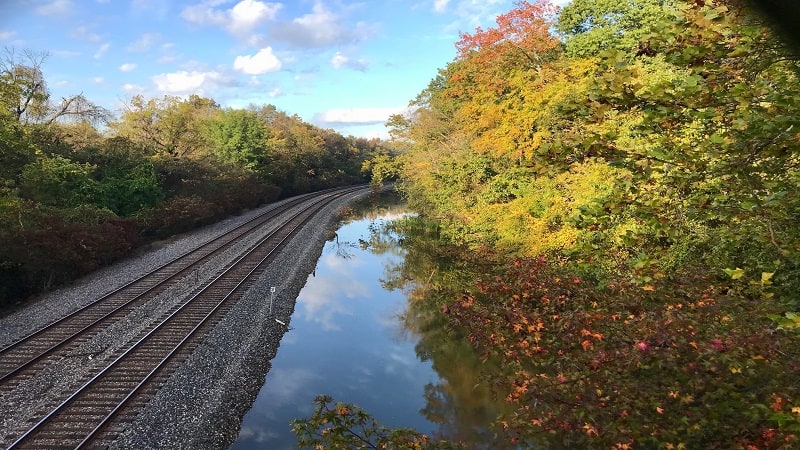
{"points": [[203, 401]]}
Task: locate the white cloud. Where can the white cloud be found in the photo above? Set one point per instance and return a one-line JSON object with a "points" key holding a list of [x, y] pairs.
{"points": [[440, 5], [127, 67], [132, 88], [5, 35], [248, 14], [194, 82], [262, 62], [240, 20], [55, 8], [98, 80], [102, 50], [320, 28], [356, 116], [339, 61]]}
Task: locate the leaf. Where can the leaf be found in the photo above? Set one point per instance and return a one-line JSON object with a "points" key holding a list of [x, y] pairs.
{"points": [[735, 274], [766, 278]]}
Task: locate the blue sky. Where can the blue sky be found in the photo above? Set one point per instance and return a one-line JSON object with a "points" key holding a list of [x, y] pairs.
{"points": [[338, 64]]}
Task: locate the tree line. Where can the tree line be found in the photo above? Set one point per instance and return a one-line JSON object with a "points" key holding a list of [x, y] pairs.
{"points": [[80, 188]]}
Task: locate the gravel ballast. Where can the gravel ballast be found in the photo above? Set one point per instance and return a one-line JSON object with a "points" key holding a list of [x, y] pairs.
{"points": [[202, 403]]}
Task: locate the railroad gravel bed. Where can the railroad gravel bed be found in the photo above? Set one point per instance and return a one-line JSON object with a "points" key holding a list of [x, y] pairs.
{"points": [[203, 402]]}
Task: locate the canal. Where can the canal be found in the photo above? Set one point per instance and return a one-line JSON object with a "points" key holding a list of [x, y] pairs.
{"points": [[357, 335]]}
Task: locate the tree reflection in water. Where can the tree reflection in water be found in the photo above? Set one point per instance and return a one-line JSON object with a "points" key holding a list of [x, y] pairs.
{"points": [[461, 403]]}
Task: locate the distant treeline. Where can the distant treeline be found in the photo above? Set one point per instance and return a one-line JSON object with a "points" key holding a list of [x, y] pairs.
{"points": [[79, 188]]}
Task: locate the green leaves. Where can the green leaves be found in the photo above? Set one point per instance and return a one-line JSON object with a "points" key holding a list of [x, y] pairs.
{"points": [[735, 274]]}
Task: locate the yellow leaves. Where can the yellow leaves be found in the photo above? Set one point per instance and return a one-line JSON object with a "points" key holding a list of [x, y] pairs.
{"points": [[736, 273], [589, 429]]}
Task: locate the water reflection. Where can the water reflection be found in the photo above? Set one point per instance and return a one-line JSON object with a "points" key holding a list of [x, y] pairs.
{"points": [[367, 330]]}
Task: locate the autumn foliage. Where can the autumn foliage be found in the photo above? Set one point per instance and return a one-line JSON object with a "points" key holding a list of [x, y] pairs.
{"points": [[74, 198], [627, 366], [520, 33], [641, 168]]}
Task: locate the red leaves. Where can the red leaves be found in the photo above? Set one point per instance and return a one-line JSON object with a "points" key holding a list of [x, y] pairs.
{"points": [[639, 363], [523, 31]]}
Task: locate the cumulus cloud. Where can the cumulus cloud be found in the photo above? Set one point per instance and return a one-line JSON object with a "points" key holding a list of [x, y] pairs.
{"points": [[356, 116], [240, 20], [55, 8], [262, 62], [186, 82], [440, 5], [127, 67]]}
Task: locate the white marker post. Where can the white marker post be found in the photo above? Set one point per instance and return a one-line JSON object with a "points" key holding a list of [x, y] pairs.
{"points": [[271, 299]]}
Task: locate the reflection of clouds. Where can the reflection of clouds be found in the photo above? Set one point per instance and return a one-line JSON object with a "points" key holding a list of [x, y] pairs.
{"points": [[341, 265], [285, 385], [322, 297], [401, 363], [257, 434]]}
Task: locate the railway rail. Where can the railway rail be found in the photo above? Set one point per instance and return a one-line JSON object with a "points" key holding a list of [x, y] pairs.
{"points": [[96, 410]]}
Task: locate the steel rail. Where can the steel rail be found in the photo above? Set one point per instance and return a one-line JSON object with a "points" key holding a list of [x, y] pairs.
{"points": [[323, 200], [128, 284], [225, 239]]}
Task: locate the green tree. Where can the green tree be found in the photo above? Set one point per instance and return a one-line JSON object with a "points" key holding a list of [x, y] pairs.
{"points": [[240, 137], [591, 26], [57, 181]]}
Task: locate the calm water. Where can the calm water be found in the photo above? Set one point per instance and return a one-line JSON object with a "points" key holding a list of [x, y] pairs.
{"points": [[347, 342], [350, 339]]}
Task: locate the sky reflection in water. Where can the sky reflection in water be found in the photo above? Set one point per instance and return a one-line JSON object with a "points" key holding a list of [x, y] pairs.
{"points": [[347, 342]]}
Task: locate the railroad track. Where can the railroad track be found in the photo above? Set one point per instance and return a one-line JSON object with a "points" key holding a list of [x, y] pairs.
{"points": [[98, 408]]}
